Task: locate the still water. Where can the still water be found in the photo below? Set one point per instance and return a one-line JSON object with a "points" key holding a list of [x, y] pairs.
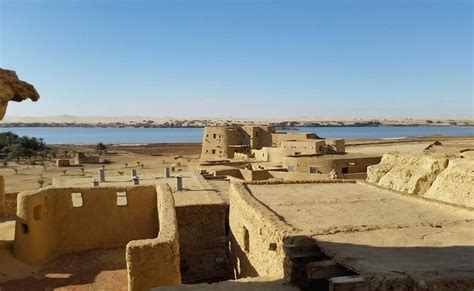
{"points": [[79, 135]]}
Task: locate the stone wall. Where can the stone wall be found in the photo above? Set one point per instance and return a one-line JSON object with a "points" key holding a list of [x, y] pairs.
{"points": [[257, 237], [51, 221]]}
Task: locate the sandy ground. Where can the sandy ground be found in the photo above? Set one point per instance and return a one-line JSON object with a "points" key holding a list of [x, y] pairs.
{"points": [[153, 158], [378, 232], [446, 232]]}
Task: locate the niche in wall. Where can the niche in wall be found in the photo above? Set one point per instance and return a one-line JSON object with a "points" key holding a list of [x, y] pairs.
{"points": [[37, 212], [246, 239], [122, 199], [77, 200]]}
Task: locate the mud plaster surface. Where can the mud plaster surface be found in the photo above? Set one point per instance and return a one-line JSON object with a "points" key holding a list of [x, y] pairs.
{"points": [[378, 232]]}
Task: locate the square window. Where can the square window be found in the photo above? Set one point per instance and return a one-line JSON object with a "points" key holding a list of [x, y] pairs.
{"points": [[77, 200], [313, 170], [122, 199]]}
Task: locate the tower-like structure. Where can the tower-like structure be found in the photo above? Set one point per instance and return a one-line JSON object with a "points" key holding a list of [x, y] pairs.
{"points": [[220, 143]]}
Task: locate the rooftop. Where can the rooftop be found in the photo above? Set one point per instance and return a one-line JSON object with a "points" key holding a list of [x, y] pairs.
{"points": [[376, 231]]}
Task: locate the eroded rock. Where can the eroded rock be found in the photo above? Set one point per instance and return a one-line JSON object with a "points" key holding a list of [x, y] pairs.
{"points": [[408, 173], [455, 184], [13, 89]]}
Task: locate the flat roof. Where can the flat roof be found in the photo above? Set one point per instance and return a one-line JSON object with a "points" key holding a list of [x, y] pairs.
{"points": [[377, 231], [336, 156]]}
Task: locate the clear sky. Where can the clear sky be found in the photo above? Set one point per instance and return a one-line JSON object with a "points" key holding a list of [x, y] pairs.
{"points": [[327, 59]]}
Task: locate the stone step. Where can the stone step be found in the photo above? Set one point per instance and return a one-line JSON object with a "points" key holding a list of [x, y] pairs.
{"points": [[347, 283], [326, 270]]}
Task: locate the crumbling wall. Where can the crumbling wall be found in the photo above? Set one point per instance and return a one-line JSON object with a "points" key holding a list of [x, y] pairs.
{"points": [[156, 262], [81, 158], [455, 184], [408, 173], [49, 224], [335, 146], [62, 163], [257, 237]]}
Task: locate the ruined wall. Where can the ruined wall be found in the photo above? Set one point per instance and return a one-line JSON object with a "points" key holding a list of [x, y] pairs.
{"points": [[335, 146], [408, 173], [48, 224], [257, 237], [81, 158], [156, 262], [62, 163]]}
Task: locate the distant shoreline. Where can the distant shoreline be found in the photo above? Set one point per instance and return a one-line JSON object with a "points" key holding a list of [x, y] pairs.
{"points": [[278, 127]]}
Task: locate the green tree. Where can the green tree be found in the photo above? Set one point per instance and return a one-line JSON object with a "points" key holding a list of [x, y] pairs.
{"points": [[100, 148]]}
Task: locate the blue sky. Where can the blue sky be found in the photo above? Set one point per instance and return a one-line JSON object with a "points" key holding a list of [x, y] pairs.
{"points": [[321, 59]]}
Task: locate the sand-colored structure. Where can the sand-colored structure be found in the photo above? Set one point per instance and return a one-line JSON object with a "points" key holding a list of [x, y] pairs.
{"points": [[81, 158], [289, 222], [54, 221], [254, 153], [312, 234]]}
